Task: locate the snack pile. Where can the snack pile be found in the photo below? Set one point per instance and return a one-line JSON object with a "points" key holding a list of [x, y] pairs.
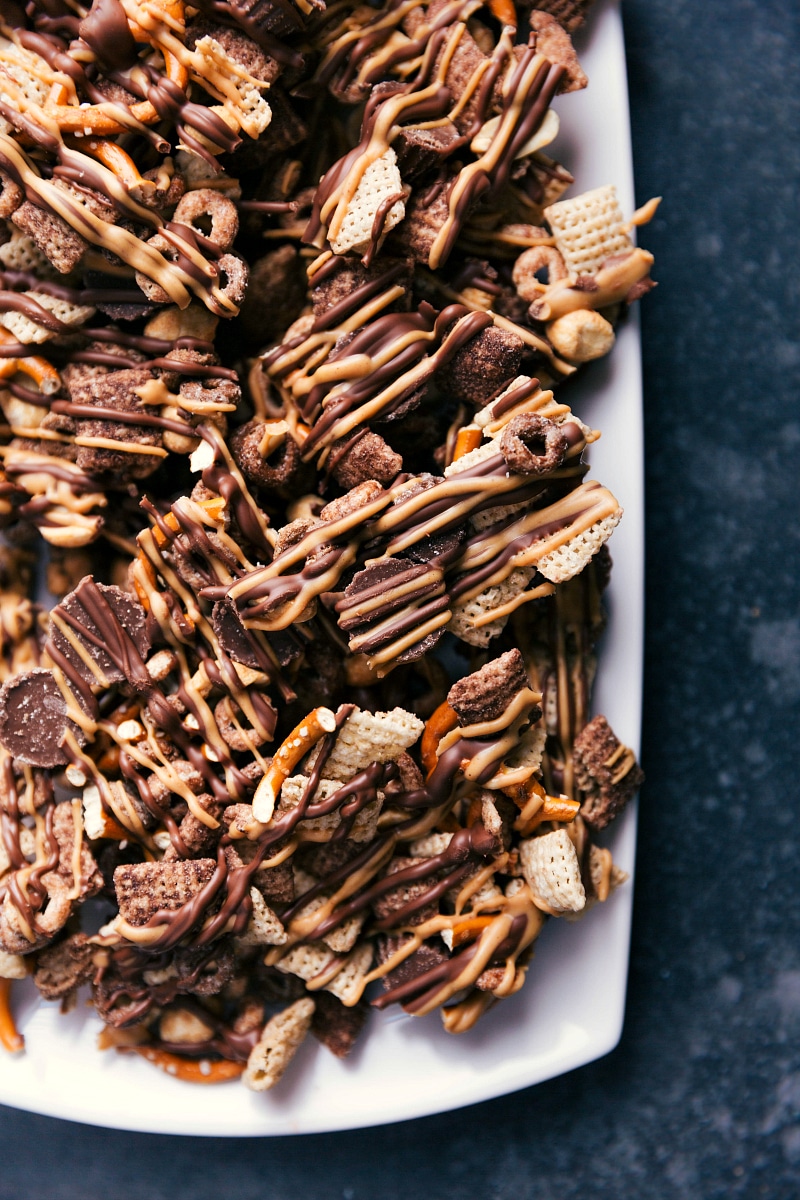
{"points": [[289, 295]]}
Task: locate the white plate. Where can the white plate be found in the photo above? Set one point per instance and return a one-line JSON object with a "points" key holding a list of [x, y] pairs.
{"points": [[571, 1008]]}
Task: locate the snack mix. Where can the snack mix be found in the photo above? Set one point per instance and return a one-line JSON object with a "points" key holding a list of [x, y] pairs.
{"points": [[296, 288]]}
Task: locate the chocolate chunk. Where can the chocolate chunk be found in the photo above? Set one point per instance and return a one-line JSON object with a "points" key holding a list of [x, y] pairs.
{"points": [[428, 956], [336, 1025], [33, 719], [422, 150], [373, 582], [480, 370], [532, 445], [110, 628], [268, 16], [420, 649], [486, 694], [435, 545], [401, 408], [415, 606], [243, 644], [606, 771]]}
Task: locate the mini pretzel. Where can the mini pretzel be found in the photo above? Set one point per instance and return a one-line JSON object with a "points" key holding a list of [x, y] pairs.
{"points": [[38, 369], [190, 1070], [73, 119], [438, 724], [469, 438], [215, 506], [10, 1037], [96, 118], [466, 930], [536, 806], [504, 11], [297, 745], [111, 155]]}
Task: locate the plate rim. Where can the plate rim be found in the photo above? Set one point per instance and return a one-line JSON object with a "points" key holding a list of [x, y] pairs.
{"points": [[515, 1075]]}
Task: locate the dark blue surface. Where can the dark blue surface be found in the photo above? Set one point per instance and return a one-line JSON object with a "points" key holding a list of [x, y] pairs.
{"points": [[702, 1097]]}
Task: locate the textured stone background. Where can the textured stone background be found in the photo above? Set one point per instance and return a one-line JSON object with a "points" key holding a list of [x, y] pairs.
{"points": [[702, 1097]]}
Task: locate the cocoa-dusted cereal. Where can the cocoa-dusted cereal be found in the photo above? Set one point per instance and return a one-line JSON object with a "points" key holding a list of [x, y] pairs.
{"points": [[606, 771], [487, 693]]}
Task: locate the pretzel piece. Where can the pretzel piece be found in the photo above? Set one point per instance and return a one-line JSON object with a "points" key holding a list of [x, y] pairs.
{"points": [[96, 120], [469, 438], [504, 11], [441, 721], [38, 369], [190, 1070], [111, 155], [10, 1037], [287, 756]]}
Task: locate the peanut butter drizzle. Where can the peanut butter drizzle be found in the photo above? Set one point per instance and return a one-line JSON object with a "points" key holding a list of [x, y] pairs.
{"points": [[164, 929], [526, 94], [191, 273], [23, 886], [156, 715], [272, 597], [562, 662]]}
